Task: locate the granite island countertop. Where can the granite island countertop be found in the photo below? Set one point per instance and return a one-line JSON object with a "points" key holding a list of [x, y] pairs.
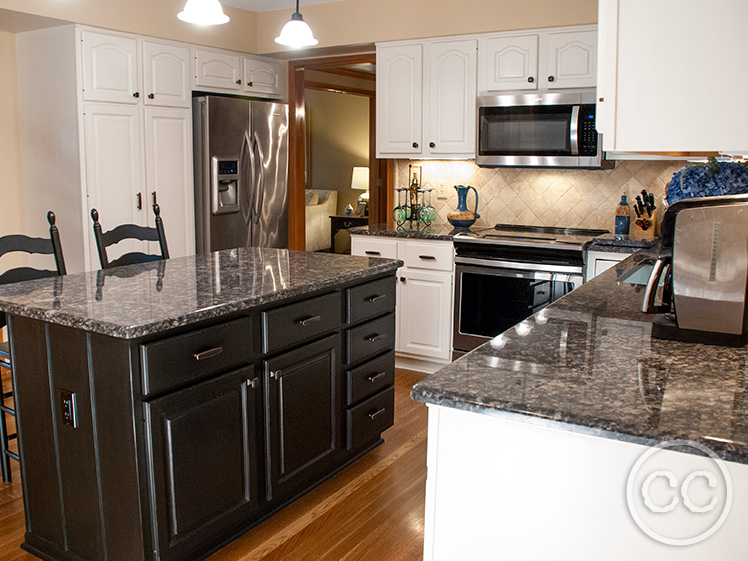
{"points": [[138, 300], [587, 363]]}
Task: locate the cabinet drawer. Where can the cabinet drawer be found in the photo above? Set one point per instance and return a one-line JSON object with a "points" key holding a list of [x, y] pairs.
{"points": [[373, 247], [177, 360], [369, 419], [288, 325], [435, 256], [370, 299], [369, 378], [370, 338]]}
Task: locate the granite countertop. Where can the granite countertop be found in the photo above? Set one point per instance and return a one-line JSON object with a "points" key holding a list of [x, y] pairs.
{"points": [[137, 300], [588, 363], [619, 243], [434, 231]]}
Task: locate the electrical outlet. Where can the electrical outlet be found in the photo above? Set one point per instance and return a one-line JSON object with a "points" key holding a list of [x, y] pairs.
{"points": [[69, 414], [441, 189]]}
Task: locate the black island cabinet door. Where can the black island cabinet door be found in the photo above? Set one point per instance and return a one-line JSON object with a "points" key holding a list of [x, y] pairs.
{"points": [[304, 394], [203, 463]]}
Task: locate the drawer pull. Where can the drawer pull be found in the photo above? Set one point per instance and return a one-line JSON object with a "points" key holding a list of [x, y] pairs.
{"points": [[372, 253], [375, 337], [307, 321], [375, 377], [276, 374], [375, 298], [253, 382], [376, 414], [210, 353], [427, 257]]}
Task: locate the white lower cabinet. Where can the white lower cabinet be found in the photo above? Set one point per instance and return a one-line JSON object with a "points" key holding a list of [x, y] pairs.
{"points": [[596, 262], [424, 297]]}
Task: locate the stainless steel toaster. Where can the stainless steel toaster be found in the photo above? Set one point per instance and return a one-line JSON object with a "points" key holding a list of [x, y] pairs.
{"points": [[704, 262]]}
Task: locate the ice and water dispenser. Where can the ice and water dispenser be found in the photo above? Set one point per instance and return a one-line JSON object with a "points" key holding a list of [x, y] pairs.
{"points": [[225, 185]]}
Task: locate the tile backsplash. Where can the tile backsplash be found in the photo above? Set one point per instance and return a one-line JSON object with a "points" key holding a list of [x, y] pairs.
{"points": [[543, 197]]}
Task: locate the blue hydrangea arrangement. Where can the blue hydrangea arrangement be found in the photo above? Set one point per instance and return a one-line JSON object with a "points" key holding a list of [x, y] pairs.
{"points": [[708, 180]]}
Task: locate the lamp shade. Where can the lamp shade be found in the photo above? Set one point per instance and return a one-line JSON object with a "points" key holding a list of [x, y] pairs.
{"points": [[296, 33], [360, 178], [203, 12]]}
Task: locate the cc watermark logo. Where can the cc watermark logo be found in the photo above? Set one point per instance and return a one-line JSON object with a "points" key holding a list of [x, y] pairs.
{"points": [[679, 498]]}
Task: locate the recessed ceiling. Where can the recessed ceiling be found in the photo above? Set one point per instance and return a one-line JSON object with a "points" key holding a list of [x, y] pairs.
{"points": [[270, 5]]}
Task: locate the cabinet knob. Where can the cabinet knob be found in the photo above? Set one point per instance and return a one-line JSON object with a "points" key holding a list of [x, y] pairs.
{"points": [[551, 79], [402, 279], [239, 81], [415, 145], [432, 144], [531, 79], [250, 84], [151, 96], [136, 94]]}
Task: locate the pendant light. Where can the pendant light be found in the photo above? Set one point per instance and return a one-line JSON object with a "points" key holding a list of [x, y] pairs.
{"points": [[203, 12], [296, 33]]}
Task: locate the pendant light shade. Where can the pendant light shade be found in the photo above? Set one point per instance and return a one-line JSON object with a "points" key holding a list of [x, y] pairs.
{"points": [[296, 33], [203, 12]]}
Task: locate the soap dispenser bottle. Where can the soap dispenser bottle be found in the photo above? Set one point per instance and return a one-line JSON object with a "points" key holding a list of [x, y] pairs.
{"points": [[623, 216]]}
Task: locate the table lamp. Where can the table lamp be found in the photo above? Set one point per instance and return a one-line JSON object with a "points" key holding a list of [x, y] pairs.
{"points": [[360, 182]]}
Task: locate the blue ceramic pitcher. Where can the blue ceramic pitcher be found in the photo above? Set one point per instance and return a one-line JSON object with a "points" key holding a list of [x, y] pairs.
{"points": [[462, 217]]}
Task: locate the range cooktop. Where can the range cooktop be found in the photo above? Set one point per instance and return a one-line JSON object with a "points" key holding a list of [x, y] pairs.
{"points": [[512, 234]]}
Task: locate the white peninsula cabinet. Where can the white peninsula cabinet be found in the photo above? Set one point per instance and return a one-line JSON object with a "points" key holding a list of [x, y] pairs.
{"points": [[668, 77], [544, 59], [423, 339], [426, 98]]}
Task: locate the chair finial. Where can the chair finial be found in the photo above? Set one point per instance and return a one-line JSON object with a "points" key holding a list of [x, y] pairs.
{"points": [[95, 214], [51, 218]]}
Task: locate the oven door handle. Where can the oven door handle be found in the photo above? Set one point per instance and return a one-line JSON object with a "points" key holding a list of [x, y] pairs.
{"points": [[530, 267]]}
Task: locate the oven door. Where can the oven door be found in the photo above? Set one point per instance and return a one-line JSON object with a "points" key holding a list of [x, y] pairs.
{"points": [[490, 299]]}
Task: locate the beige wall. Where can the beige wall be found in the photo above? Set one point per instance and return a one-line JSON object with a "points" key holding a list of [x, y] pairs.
{"points": [[351, 22]]}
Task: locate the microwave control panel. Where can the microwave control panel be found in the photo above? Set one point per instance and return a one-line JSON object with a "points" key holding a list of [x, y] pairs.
{"points": [[587, 132]]}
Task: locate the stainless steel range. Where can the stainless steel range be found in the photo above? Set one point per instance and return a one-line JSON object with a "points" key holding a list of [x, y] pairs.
{"points": [[507, 273]]}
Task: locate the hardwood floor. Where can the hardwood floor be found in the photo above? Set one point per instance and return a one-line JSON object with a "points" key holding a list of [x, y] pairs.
{"points": [[371, 511]]}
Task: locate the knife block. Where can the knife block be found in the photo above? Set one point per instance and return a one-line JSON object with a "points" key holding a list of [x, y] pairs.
{"points": [[638, 232]]}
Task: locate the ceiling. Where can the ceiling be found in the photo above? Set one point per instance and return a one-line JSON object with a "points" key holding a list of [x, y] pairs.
{"points": [[16, 22], [270, 5]]}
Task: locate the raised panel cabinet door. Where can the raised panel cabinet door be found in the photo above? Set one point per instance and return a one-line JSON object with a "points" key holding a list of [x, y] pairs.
{"points": [[203, 450], [452, 98], [166, 75], [168, 156], [110, 70], [572, 59], [425, 314], [114, 173], [218, 70], [262, 76], [399, 99], [304, 415], [509, 63]]}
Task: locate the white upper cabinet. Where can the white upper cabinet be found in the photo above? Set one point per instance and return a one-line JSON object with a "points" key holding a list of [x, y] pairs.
{"points": [[218, 70], [110, 69], [670, 77], [510, 63], [426, 99], [399, 99], [545, 59], [262, 76], [166, 75]]}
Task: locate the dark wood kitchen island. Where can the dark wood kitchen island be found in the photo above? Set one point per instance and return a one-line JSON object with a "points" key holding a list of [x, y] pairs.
{"points": [[166, 408]]}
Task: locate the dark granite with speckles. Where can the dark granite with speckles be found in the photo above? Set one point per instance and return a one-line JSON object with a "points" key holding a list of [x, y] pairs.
{"points": [[137, 300], [588, 363], [434, 231], [619, 243]]}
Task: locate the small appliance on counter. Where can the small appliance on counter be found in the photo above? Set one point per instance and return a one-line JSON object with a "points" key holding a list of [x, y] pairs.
{"points": [[704, 262]]}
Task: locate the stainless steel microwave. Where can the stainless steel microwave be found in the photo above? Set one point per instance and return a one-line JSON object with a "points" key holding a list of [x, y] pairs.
{"points": [[538, 130]]}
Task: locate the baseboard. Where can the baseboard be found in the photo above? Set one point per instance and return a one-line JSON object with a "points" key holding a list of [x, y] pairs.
{"points": [[419, 364]]}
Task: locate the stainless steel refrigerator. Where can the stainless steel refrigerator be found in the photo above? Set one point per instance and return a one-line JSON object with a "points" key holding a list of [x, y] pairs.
{"points": [[241, 173]]}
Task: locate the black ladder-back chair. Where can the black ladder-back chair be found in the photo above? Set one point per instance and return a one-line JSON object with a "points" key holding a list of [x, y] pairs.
{"points": [[9, 244], [129, 231]]}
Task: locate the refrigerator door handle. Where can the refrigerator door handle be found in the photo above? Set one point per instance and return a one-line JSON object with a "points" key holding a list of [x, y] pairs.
{"points": [[260, 196], [246, 179]]}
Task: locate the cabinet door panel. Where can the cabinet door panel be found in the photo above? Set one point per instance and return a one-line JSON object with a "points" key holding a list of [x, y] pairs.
{"points": [[262, 77], [399, 99], [203, 460], [510, 63], [109, 68], [166, 75], [452, 97], [424, 312], [114, 168], [572, 59], [168, 145], [304, 414], [216, 70]]}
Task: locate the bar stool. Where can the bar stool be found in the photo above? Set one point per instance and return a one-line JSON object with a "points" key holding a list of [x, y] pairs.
{"points": [[9, 244]]}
